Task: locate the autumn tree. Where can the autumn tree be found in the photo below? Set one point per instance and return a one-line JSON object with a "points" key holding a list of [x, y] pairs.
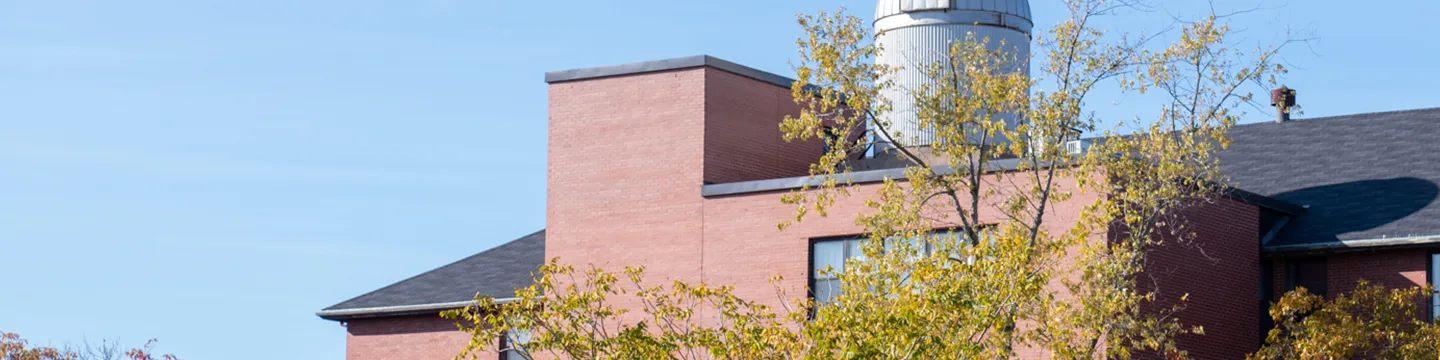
{"points": [[595, 314], [996, 173], [964, 252], [13, 347], [1369, 322]]}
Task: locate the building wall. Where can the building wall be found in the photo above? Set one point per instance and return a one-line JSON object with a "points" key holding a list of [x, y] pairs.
{"points": [[626, 159], [742, 136], [1220, 271], [629, 155], [1393, 269], [405, 338]]}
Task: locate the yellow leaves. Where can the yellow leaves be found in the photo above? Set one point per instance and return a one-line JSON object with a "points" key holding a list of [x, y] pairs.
{"points": [[1370, 321], [584, 321], [12, 347]]}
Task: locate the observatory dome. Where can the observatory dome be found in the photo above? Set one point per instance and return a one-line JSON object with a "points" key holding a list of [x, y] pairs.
{"points": [[913, 34], [1019, 9]]}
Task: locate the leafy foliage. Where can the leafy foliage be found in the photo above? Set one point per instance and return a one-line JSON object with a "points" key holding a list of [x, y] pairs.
{"points": [[602, 315], [13, 347], [1369, 322]]}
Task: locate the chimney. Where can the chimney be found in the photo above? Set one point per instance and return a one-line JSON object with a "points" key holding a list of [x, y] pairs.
{"points": [[1283, 99]]}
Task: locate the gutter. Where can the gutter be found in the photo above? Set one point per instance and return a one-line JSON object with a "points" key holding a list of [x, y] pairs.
{"points": [[400, 310], [1358, 245]]}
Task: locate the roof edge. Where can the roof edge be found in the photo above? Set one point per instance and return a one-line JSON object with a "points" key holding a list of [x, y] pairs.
{"points": [[332, 308], [1265, 201], [1347, 116], [856, 177], [1357, 245], [645, 67], [401, 310]]}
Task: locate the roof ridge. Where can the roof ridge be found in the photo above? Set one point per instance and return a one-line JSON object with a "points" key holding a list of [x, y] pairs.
{"points": [[487, 251], [1338, 117]]}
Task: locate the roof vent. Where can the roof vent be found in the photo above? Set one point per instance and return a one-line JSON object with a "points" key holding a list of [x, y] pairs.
{"points": [[1283, 99]]}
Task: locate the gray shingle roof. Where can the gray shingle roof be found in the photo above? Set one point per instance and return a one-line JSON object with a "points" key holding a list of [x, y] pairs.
{"points": [[496, 272], [1362, 176]]}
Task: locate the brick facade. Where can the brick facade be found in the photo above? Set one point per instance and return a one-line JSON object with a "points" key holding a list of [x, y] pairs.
{"points": [[404, 338], [1220, 270], [642, 205], [1394, 269], [628, 156]]}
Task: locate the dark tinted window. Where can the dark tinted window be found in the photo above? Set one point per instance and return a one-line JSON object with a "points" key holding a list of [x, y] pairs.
{"points": [[1310, 274]]}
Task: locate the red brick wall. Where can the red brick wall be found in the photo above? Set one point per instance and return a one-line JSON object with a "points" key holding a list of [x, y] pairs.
{"points": [[628, 156], [742, 131], [404, 338], [1394, 269], [625, 172], [1220, 270]]}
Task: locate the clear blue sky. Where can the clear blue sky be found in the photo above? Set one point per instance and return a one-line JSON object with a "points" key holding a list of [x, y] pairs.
{"points": [[210, 173]]}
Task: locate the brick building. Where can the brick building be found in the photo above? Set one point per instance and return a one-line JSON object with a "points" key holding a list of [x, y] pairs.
{"points": [[678, 165]]}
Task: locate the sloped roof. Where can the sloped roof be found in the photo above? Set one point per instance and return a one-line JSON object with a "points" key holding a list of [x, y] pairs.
{"points": [[496, 272], [1360, 177]]}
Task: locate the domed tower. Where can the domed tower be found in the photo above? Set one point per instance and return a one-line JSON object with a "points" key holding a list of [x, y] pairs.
{"points": [[916, 33]]}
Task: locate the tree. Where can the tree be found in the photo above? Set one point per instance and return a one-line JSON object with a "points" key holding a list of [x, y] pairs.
{"points": [[1008, 242], [603, 315], [982, 286], [1370, 322], [13, 347]]}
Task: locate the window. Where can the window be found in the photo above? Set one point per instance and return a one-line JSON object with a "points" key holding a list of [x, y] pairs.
{"points": [[830, 254], [1435, 281], [511, 345], [833, 254], [1310, 274]]}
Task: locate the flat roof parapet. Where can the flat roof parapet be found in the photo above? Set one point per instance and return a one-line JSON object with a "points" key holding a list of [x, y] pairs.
{"points": [[666, 65]]}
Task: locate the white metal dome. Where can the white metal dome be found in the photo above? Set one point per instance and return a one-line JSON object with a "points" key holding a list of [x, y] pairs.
{"points": [[1016, 8], [916, 33]]}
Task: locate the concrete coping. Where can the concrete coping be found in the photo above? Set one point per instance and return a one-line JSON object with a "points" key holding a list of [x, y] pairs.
{"points": [[666, 65], [874, 176]]}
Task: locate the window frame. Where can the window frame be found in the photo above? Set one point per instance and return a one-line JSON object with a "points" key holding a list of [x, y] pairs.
{"points": [[812, 279], [810, 270], [506, 341], [1433, 277]]}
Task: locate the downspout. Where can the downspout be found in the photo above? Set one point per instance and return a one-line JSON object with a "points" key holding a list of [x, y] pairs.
{"points": [[1274, 230]]}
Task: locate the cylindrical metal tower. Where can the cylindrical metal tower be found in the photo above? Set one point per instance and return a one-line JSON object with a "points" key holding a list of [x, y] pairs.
{"points": [[916, 33]]}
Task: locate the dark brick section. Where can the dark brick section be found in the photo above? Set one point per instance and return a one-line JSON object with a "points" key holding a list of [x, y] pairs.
{"points": [[1395, 269], [1220, 270], [742, 132]]}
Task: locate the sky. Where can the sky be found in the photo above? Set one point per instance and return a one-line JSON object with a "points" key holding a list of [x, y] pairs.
{"points": [[210, 173]]}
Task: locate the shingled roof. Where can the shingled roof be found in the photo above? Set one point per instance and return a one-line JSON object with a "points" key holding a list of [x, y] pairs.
{"points": [[496, 272], [1365, 179]]}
